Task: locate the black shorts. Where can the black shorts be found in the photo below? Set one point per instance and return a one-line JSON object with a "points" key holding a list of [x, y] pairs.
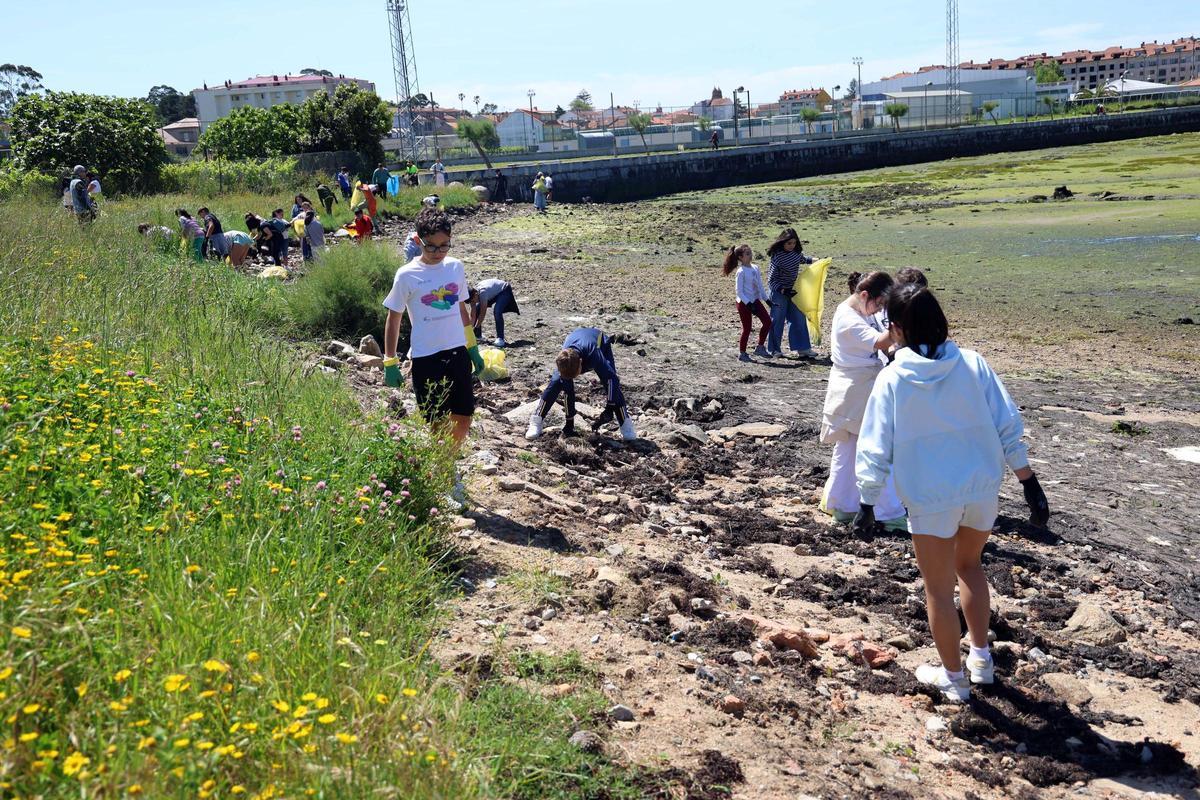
{"points": [[442, 383]]}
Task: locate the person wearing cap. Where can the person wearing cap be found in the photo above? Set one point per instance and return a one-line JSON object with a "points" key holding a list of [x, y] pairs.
{"points": [[82, 204]]}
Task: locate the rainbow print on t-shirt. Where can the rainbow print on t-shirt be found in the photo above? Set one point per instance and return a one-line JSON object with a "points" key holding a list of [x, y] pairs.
{"points": [[442, 299]]}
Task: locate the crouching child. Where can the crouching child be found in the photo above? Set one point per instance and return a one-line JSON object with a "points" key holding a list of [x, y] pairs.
{"points": [[583, 350]]}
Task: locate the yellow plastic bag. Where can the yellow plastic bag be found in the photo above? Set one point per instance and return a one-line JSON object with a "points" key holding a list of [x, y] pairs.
{"points": [[810, 296], [493, 364]]}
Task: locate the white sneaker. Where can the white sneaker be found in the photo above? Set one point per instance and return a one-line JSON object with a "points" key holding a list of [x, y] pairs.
{"points": [[535, 427], [956, 691], [500, 343], [627, 431], [982, 670], [809, 353]]}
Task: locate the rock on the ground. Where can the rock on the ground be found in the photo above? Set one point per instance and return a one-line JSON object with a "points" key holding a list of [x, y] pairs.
{"points": [[482, 193], [785, 637], [340, 349], [703, 607], [935, 724], [732, 704], [587, 741], [511, 484], [902, 641], [366, 361], [755, 430], [520, 415], [1092, 625], [368, 345], [1067, 687], [621, 713]]}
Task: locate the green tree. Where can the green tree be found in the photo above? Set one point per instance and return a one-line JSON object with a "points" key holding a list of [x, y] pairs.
{"points": [[559, 111], [170, 104], [703, 123], [254, 133], [990, 106], [1049, 102], [640, 121], [363, 119], [481, 133], [418, 100], [489, 108], [809, 115], [115, 137], [582, 101], [896, 111], [16, 81], [851, 90], [352, 119], [310, 71], [1049, 72]]}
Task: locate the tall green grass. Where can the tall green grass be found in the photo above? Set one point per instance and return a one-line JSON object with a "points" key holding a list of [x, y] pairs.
{"points": [[219, 577]]}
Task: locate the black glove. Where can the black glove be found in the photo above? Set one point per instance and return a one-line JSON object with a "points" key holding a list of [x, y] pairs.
{"points": [[1035, 498], [864, 520], [569, 427]]}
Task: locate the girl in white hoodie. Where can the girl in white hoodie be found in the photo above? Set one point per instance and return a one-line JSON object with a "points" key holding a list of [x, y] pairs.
{"points": [[941, 422]]}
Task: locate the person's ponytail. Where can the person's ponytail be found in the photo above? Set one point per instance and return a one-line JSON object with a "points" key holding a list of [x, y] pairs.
{"points": [[731, 261]]}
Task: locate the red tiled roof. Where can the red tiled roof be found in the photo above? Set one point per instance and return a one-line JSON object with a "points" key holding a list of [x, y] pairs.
{"points": [[1181, 45], [259, 81]]}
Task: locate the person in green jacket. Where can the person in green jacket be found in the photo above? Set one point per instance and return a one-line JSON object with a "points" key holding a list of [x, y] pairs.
{"points": [[325, 195], [380, 178], [412, 171]]}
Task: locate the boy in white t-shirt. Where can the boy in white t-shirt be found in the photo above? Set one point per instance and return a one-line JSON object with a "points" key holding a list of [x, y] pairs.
{"points": [[433, 290]]}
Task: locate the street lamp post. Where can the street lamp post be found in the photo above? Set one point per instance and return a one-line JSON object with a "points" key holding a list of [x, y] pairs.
{"points": [[1027, 80], [925, 107], [531, 93], [858, 62], [1123, 74], [736, 92], [833, 131]]}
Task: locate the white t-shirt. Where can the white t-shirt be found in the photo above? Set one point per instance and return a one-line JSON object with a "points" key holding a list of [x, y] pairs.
{"points": [[431, 295], [549, 183], [94, 186], [854, 338], [750, 285]]}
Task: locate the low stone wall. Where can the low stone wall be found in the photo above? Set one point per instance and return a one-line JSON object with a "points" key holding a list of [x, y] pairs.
{"points": [[611, 180]]}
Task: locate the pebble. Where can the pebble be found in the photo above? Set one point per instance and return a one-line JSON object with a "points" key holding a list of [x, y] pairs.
{"points": [[732, 704], [742, 657], [549, 613], [537, 638], [615, 550], [935, 724], [587, 741], [511, 484], [621, 713], [596, 639]]}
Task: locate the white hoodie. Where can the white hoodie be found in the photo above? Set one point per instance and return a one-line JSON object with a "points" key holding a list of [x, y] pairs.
{"points": [[944, 427]]}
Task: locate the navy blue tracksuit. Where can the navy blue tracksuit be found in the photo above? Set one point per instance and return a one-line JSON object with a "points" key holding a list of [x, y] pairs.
{"points": [[595, 351]]}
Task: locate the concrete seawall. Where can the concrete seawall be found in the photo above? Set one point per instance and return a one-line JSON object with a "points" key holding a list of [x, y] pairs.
{"points": [[636, 178]]}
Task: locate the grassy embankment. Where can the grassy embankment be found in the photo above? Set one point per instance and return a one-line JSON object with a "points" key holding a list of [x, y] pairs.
{"points": [[217, 578]]}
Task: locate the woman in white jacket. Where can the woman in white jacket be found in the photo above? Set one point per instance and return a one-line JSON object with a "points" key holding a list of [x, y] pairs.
{"points": [[941, 422], [857, 341]]}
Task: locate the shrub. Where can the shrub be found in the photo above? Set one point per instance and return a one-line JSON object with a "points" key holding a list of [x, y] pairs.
{"points": [[220, 176], [116, 138], [342, 294], [20, 183]]}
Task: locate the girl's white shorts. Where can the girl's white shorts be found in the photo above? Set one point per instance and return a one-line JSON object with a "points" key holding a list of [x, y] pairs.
{"points": [[944, 524]]}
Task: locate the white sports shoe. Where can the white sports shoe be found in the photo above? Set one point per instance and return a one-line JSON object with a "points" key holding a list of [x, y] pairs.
{"points": [[500, 343], [982, 670], [627, 431], [956, 691], [809, 353], [535, 427]]}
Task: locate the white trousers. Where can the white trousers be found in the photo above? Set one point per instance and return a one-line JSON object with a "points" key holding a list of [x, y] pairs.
{"points": [[841, 490]]}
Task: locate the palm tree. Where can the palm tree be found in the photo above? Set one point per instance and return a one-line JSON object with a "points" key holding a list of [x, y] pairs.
{"points": [[476, 104], [990, 106], [639, 122], [481, 133], [461, 98], [703, 123], [1049, 102], [895, 111], [809, 115]]}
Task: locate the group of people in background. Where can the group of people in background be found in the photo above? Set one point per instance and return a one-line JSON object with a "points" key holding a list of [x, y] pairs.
{"points": [[922, 434]]}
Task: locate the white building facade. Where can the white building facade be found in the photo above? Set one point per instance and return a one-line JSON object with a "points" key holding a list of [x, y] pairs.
{"points": [[265, 91]]}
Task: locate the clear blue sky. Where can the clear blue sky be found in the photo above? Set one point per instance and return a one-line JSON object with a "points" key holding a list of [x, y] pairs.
{"points": [[652, 51]]}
